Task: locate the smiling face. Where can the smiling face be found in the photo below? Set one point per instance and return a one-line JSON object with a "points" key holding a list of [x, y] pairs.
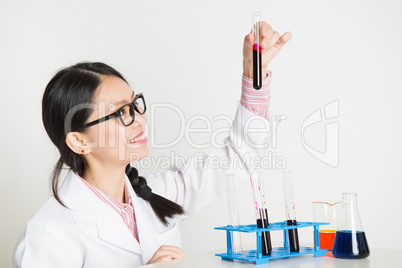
{"points": [[111, 142]]}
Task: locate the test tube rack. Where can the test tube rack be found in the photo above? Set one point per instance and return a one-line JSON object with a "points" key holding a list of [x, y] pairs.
{"points": [[278, 252]]}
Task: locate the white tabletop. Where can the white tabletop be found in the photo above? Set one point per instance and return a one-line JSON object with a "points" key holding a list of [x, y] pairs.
{"points": [[378, 258]]}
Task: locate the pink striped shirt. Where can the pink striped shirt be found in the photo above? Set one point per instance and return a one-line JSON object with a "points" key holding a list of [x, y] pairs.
{"points": [[257, 101], [125, 210]]}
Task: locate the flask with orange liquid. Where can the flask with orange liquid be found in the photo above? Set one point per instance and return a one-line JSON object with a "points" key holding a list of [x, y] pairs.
{"points": [[327, 211]]}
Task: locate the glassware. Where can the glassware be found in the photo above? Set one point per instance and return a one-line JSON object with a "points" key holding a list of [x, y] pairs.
{"points": [[261, 211], [233, 209], [327, 211], [350, 239], [257, 57], [290, 210]]}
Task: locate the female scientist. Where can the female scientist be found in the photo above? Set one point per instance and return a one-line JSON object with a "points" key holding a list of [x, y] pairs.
{"points": [[106, 213]]}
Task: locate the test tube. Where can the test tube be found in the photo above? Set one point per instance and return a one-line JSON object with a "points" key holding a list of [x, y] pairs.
{"points": [[261, 211], [233, 212], [257, 58], [290, 210]]}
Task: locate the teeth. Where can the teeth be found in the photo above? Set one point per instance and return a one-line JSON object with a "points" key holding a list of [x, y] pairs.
{"points": [[137, 139]]}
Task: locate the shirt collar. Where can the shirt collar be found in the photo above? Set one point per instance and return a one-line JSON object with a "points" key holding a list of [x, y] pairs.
{"points": [[127, 197]]}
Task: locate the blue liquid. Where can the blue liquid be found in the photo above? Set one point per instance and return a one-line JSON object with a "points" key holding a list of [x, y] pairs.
{"points": [[350, 245]]}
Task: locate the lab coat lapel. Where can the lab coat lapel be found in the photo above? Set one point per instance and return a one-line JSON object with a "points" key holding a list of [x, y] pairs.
{"points": [[147, 232], [89, 212], [112, 229]]}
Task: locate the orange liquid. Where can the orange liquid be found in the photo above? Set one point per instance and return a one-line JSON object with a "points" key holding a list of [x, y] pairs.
{"points": [[327, 238]]}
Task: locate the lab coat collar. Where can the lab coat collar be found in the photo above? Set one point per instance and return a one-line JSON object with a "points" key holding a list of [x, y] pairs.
{"points": [[89, 212]]}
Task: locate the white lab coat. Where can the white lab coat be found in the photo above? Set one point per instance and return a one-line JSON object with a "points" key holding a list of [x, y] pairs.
{"points": [[91, 234]]}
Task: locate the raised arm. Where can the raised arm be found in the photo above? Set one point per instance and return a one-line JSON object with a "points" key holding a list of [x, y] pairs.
{"points": [[201, 181]]}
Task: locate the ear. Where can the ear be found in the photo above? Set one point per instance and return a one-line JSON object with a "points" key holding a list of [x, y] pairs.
{"points": [[75, 141]]}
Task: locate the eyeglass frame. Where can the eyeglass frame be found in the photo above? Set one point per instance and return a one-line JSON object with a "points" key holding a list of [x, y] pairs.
{"points": [[116, 114]]}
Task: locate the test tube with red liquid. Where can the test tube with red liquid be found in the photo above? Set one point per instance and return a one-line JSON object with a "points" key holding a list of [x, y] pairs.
{"points": [[257, 58], [261, 211], [290, 210]]}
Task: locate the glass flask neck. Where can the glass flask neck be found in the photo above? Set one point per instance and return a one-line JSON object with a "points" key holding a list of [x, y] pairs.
{"points": [[350, 218], [349, 198]]}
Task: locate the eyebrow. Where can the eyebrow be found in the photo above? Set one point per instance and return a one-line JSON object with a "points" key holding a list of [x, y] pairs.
{"points": [[117, 103]]}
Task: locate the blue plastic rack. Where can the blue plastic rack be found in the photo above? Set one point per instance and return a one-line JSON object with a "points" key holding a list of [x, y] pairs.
{"points": [[279, 252]]}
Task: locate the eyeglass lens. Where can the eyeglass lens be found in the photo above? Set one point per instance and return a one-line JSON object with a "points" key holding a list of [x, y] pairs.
{"points": [[127, 113]]}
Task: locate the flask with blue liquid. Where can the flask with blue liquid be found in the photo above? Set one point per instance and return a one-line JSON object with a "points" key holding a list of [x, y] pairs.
{"points": [[350, 239]]}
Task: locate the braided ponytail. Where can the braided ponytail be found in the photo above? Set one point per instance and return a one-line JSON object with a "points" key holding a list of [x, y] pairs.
{"points": [[162, 207]]}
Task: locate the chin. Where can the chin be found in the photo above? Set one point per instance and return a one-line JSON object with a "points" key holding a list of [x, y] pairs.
{"points": [[139, 153]]}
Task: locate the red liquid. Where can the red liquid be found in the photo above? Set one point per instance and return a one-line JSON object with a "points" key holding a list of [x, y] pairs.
{"points": [[293, 237], [326, 239], [257, 72], [266, 236]]}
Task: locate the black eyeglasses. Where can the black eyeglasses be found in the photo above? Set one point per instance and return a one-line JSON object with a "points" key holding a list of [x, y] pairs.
{"points": [[126, 114]]}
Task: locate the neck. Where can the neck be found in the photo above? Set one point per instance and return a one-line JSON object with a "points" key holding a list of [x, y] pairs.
{"points": [[108, 179]]}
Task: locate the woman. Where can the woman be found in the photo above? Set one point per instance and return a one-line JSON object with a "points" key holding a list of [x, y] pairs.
{"points": [[106, 213]]}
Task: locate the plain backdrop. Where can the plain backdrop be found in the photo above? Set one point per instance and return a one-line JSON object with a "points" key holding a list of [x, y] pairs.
{"points": [[189, 54]]}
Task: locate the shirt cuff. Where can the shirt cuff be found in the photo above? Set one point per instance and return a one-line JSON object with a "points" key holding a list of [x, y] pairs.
{"points": [[257, 101]]}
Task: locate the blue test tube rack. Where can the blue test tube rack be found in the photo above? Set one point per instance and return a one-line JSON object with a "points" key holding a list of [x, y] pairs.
{"points": [[278, 252]]}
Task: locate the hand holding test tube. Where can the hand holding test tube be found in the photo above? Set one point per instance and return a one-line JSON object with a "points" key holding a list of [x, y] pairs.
{"points": [[271, 42]]}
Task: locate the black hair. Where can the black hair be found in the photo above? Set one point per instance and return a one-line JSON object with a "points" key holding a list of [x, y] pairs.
{"points": [[73, 87]]}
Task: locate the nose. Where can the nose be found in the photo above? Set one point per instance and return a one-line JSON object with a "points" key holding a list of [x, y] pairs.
{"points": [[140, 120]]}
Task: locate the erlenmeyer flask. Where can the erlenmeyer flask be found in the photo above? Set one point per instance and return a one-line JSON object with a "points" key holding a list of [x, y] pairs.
{"points": [[350, 239]]}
